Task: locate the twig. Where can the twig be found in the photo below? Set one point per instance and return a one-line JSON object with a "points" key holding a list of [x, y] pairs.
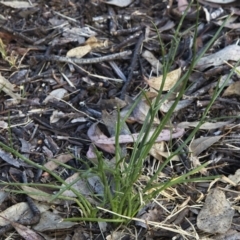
{"points": [[17, 34], [84, 60], [126, 42], [132, 66]]}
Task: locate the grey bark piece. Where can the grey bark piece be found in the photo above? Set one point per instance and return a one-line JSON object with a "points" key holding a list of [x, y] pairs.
{"points": [[231, 52], [216, 214]]}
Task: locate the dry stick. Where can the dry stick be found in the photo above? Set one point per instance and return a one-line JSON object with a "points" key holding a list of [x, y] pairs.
{"points": [[132, 66], [17, 34], [84, 60], [127, 31], [126, 42]]}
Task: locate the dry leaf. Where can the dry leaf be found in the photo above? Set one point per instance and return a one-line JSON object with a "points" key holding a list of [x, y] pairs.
{"points": [[107, 144], [39, 195], [79, 52], [230, 23], [170, 81], [221, 1], [13, 213], [198, 145], [205, 126], [7, 157], [110, 122], [17, 4], [156, 65], [51, 221], [94, 133], [233, 89], [80, 186], [236, 177], [119, 3], [140, 112], [183, 5], [57, 94], [90, 44], [116, 236], [196, 163], [56, 116], [165, 107], [3, 124], [54, 163], [165, 135], [8, 88], [112, 103], [230, 52], [26, 232], [157, 151]]}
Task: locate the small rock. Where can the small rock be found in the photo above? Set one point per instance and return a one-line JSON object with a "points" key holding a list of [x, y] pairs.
{"points": [[216, 214]]}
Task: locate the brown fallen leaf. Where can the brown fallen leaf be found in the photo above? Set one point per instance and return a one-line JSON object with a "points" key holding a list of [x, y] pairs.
{"points": [[170, 81], [90, 44], [233, 89], [54, 163]]}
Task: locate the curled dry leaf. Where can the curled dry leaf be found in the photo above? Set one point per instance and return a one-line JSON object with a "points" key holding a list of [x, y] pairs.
{"points": [[170, 81]]}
